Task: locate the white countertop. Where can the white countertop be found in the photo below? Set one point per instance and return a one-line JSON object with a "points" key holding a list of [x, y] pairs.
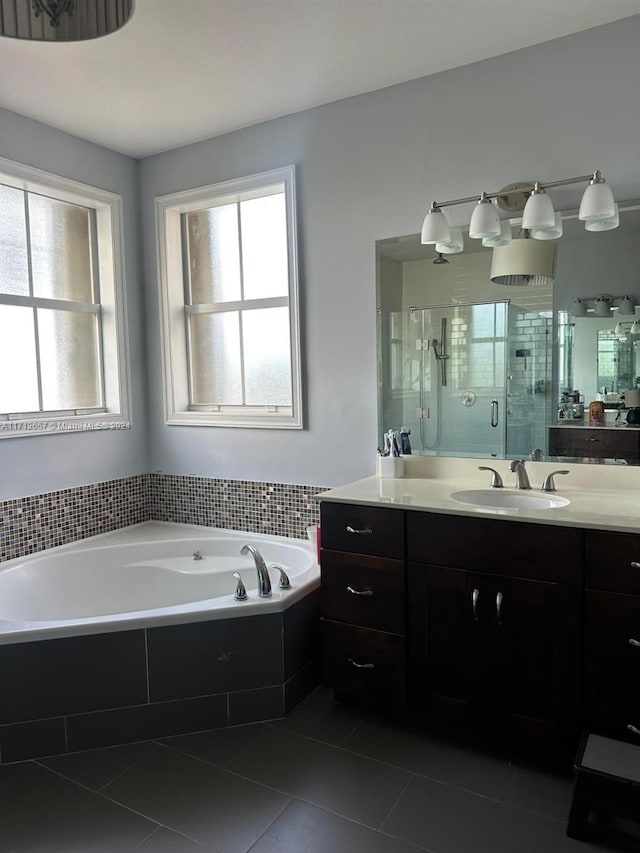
{"points": [[602, 497]]}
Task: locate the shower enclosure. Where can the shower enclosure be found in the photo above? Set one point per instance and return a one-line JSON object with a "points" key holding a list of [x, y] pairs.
{"points": [[466, 379]]}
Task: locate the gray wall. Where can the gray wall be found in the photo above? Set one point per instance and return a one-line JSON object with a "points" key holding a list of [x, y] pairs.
{"points": [[37, 464], [367, 168]]}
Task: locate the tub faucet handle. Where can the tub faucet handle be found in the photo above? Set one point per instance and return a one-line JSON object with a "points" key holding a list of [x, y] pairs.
{"points": [[241, 590], [284, 582]]}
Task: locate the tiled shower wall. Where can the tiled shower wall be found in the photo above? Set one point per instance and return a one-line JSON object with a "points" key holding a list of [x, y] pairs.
{"points": [[37, 522]]}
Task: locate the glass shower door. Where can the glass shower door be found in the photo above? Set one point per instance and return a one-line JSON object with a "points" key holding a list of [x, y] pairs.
{"points": [[463, 387]]}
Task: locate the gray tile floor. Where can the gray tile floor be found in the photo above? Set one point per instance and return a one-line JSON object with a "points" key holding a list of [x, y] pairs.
{"points": [[324, 780]]}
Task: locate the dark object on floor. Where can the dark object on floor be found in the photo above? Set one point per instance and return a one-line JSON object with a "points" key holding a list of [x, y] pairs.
{"points": [[607, 782]]}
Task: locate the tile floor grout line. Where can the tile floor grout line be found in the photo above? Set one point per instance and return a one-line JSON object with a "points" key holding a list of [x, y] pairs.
{"points": [[510, 785], [264, 832], [151, 834], [96, 793], [396, 801]]}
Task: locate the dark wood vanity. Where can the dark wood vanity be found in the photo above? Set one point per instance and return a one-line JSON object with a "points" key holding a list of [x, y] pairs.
{"points": [[582, 442], [531, 630]]}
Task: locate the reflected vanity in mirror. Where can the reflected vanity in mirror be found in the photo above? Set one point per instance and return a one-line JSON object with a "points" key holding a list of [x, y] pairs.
{"points": [[471, 368]]}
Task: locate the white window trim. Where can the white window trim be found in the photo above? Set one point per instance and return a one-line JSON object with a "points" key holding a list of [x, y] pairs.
{"points": [[169, 209], [108, 209]]}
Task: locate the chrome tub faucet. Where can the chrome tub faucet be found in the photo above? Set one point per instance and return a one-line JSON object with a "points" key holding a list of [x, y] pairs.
{"points": [[264, 581]]}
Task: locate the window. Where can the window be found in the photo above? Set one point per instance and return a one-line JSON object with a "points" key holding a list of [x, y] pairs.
{"points": [[229, 297], [62, 336]]}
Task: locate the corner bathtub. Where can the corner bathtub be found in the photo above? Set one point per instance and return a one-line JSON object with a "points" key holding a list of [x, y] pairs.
{"points": [[145, 575]]}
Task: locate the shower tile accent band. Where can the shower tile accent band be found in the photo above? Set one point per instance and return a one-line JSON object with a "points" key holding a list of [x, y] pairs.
{"points": [[37, 522]]}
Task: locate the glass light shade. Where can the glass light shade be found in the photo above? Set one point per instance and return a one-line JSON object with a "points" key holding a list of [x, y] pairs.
{"points": [[579, 308], [435, 228], [552, 233], [454, 245], [524, 262], [597, 202], [627, 306], [503, 238], [485, 221], [538, 212], [606, 224], [635, 328], [601, 308]]}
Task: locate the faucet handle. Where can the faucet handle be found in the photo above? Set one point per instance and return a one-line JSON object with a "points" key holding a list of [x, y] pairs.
{"points": [[241, 590], [549, 484], [284, 582], [496, 479]]}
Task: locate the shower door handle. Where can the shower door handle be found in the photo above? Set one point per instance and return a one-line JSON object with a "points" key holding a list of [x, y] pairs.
{"points": [[494, 413]]}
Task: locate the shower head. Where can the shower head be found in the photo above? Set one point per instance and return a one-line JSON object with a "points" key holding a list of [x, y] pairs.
{"points": [[440, 259]]}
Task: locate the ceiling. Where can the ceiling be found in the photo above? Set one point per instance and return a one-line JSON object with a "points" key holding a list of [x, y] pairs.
{"points": [[183, 71]]}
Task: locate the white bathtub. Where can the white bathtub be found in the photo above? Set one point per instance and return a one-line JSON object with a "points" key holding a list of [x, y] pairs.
{"points": [[145, 575]]}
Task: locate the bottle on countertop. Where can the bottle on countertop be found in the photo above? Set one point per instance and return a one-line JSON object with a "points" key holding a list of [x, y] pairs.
{"points": [[596, 413]]}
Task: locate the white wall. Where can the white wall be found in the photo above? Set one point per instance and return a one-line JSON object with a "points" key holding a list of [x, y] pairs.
{"points": [[367, 168], [37, 464]]}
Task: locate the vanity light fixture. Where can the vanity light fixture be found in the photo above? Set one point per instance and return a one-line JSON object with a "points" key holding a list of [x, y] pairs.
{"points": [[503, 238], [63, 20], [606, 224], [454, 245], [603, 305], [597, 205]]}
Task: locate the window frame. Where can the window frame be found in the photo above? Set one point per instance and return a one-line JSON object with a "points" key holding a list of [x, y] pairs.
{"points": [[172, 287], [109, 282]]}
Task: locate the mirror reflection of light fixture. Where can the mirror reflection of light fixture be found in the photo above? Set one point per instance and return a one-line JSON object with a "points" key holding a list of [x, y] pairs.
{"points": [[454, 244], [503, 238], [635, 328], [597, 205], [607, 224], [524, 262], [554, 232], [602, 305], [63, 20]]}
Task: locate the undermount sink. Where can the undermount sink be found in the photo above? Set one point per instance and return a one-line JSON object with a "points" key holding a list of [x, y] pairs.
{"points": [[505, 499]]}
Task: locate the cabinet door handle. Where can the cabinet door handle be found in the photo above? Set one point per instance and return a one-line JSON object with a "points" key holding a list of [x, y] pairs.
{"points": [[365, 530], [635, 565], [593, 439], [633, 729], [361, 665], [475, 595], [368, 592], [633, 642], [499, 609]]}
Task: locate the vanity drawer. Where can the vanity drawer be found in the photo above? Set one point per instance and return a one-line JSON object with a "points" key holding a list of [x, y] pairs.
{"points": [[612, 656], [609, 561], [364, 664], [363, 530], [366, 591], [597, 443], [516, 549]]}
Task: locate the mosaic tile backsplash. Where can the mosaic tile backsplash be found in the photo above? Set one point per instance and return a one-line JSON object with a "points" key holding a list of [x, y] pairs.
{"points": [[37, 522]]}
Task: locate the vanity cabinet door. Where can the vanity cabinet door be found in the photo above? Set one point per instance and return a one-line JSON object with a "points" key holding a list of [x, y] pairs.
{"points": [[612, 670]]}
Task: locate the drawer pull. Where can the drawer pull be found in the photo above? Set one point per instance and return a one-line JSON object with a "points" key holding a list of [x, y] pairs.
{"points": [[499, 619], [368, 666], [593, 439], [365, 530], [633, 642], [475, 595], [633, 729], [635, 565], [368, 592]]}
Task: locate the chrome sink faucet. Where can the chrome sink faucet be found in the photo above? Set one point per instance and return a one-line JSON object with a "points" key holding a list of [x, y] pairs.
{"points": [[522, 479], [264, 581]]}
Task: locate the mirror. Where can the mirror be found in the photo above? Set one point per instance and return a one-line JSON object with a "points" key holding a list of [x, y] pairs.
{"points": [[471, 368]]}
